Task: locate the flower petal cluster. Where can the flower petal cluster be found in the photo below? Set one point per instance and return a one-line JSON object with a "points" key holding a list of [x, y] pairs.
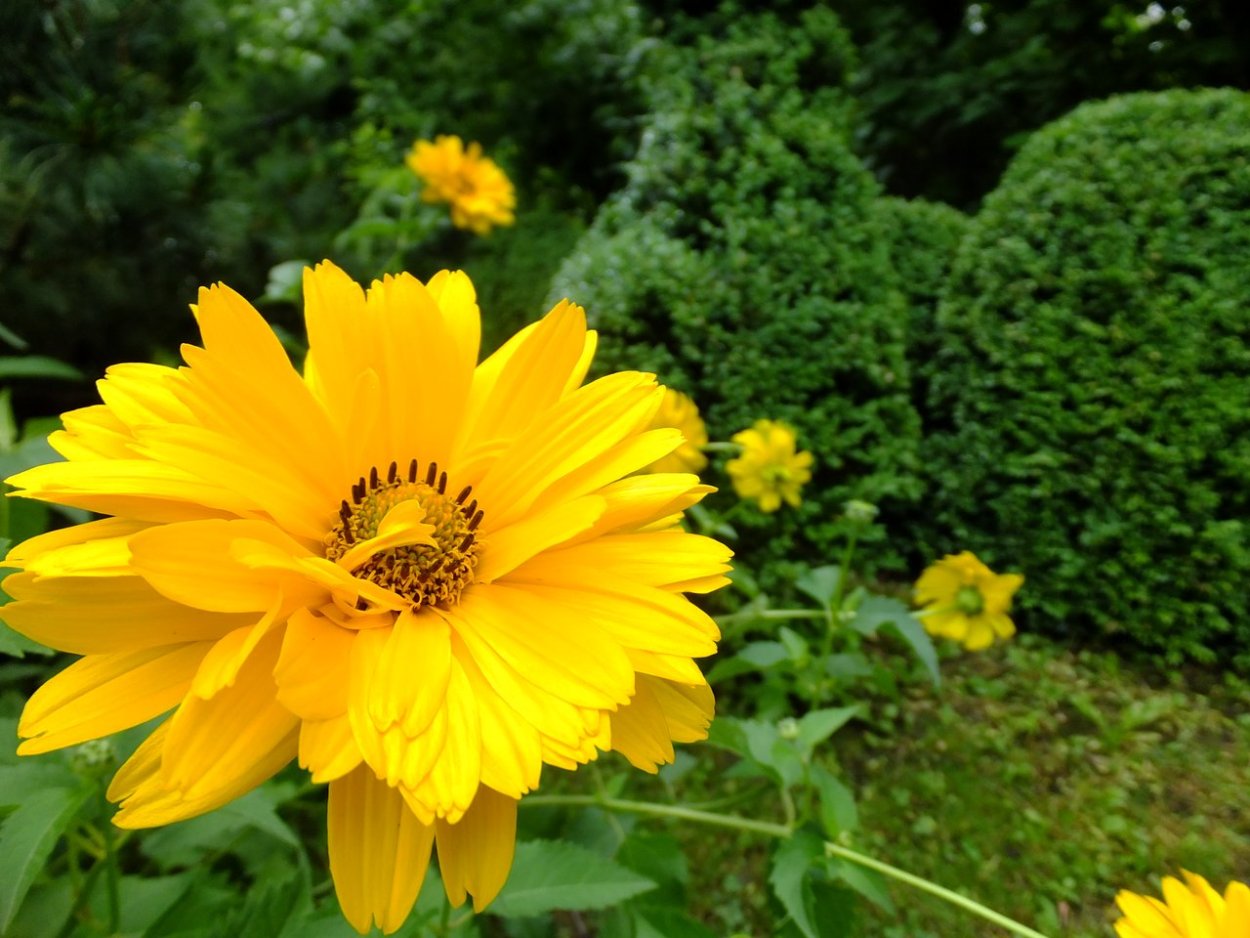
{"points": [[769, 470], [421, 577], [480, 194], [1189, 909], [679, 411], [966, 601]]}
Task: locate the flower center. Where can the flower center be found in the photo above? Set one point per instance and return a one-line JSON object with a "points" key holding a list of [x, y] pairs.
{"points": [[969, 600], [428, 556], [776, 474]]}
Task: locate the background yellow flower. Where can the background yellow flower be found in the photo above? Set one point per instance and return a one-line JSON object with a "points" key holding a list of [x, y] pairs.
{"points": [[769, 470], [422, 577], [1192, 909], [679, 411], [480, 194], [966, 601]]}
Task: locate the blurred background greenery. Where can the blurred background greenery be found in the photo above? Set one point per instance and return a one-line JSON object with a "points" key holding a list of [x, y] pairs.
{"points": [[1014, 315]]}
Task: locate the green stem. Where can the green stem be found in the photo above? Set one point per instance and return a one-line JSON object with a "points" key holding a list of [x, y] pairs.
{"points": [[112, 874], [783, 831], [934, 889], [444, 918], [717, 447], [751, 615]]}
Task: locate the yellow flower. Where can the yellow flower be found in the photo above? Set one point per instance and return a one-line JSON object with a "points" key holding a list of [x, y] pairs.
{"points": [[421, 576], [677, 410], [769, 470], [1189, 910], [481, 196], [966, 601]]}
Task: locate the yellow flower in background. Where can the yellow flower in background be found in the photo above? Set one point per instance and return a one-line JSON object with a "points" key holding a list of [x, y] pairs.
{"points": [[769, 470], [420, 576], [1192, 909], [966, 601], [679, 411], [480, 195]]}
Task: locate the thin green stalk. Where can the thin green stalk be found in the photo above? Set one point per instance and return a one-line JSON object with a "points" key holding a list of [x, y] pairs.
{"points": [[444, 918], [112, 874], [751, 615], [784, 831], [932, 888], [717, 447]]}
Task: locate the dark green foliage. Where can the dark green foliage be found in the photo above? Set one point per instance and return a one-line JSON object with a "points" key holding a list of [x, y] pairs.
{"points": [[1089, 420], [745, 263], [951, 90], [922, 238]]}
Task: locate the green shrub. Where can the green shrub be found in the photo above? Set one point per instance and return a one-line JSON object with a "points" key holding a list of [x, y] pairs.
{"points": [[745, 263], [922, 238], [1089, 422]]}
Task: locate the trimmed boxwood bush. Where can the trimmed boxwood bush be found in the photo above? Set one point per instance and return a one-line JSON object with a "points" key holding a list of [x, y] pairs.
{"points": [[1089, 421], [745, 263]]}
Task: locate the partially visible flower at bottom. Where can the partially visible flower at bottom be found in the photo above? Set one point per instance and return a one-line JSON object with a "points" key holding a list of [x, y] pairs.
{"points": [[1192, 909], [769, 471], [680, 412], [423, 577], [965, 600], [480, 194]]}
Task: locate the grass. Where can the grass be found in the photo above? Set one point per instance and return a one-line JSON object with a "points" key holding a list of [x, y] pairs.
{"points": [[1040, 781]]}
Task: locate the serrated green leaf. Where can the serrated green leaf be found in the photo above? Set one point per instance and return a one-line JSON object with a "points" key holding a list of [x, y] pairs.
{"points": [[820, 583], [838, 812], [550, 875], [27, 837], [793, 860], [818, 725]]}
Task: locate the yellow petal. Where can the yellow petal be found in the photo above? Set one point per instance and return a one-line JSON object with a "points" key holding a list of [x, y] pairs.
{"points": [[148, 802], [327, 748], [378, 851], [212, 742], [101, 694], [95, 615], [312, 670], [475, 854], [507, 548], [194, 564], [221, 665]]}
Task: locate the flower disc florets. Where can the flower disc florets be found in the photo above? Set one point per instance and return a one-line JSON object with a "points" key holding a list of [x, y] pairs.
{"points": [[431, 573]]}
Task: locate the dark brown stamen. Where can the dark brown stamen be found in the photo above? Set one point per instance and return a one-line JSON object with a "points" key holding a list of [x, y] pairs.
{"points": [[442, 483], [464, 545], [392, 473], [464, 493], [412, 471], [477, 519], [373, 477], [431, 473]]}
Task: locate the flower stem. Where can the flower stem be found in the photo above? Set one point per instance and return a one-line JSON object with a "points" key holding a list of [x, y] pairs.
{"points": [[932, 888], [112, 875], [783, 831], [718, 447]]}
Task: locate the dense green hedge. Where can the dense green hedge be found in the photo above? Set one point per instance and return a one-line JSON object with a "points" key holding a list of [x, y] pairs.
{"points": [[745, 263], [1089, 421]]}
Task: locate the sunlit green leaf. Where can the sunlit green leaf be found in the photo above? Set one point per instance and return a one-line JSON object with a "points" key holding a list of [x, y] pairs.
{"points": [[549, 875]]}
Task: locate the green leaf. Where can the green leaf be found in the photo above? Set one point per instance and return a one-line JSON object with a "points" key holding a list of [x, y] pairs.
{"points": [[820, 583], [549, 875], [755, 656], [27, 837], [791, 864], [838, 812], [19, 781], [37, 366], [867, 883], [668, 922], [818, 725], [879, 612], [794, 643], [286, 281]]}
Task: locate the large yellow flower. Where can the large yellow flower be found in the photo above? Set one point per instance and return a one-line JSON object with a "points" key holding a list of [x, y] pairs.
{"points": [[1192, 909], [966, 601], [422, 577], [769, 470], [481, 196], [677, 410]]}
